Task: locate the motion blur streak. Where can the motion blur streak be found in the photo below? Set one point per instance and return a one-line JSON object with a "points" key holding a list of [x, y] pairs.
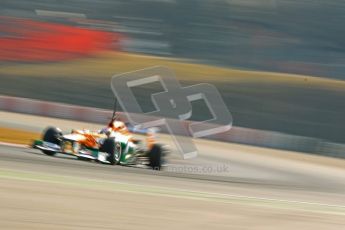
{"points": [[29, 40]]}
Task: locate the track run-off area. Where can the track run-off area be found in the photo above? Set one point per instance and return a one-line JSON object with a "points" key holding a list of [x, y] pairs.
{"points": [[228, 186]]}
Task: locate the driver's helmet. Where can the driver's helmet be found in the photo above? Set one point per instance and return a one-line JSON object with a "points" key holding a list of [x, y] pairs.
{"points": [[119, 126]]}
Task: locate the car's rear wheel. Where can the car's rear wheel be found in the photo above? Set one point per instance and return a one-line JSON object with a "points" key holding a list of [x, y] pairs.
{"points": [[113, 149], [155, 157], [51, 135]]}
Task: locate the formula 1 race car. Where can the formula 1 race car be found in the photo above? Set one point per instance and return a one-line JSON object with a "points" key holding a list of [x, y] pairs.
{"points": [[113, 145]]}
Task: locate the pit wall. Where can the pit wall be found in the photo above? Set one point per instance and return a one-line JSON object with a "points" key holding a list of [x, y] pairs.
{"points": [[235, 135]]}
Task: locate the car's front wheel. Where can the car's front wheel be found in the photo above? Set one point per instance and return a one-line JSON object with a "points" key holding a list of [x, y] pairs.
{"points": [[51, 135]]}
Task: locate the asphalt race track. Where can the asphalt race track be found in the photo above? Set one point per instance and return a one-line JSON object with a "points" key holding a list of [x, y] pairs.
{"points": [[227, 187]]}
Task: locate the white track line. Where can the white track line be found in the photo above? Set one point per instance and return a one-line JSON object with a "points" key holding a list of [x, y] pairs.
{"points": [[49, 13], [13, 145]]}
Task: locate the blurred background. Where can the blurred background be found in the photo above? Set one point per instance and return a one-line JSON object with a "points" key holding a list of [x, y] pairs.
{"points": [[278, 64]]}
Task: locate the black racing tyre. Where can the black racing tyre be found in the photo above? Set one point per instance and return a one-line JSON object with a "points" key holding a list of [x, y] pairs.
{"points": [[109, 146], [52, 135], [155, 157]]}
